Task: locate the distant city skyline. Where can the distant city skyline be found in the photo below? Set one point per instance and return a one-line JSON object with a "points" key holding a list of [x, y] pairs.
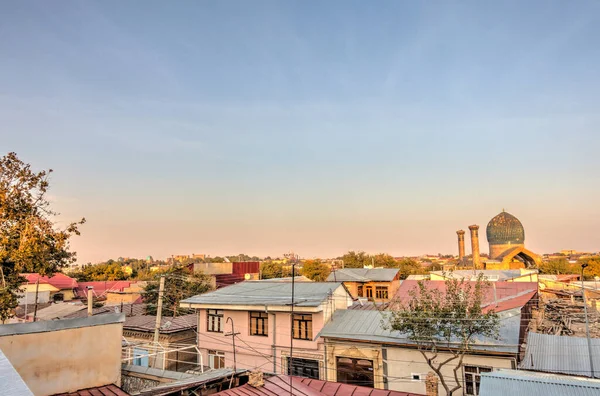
{"points": [[319, 127]]}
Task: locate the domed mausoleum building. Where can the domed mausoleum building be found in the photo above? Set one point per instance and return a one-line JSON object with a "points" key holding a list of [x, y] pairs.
{"points": [[506, 238]]}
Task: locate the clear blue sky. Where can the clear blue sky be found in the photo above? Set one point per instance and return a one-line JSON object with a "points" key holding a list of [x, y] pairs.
{"points": [[264, 126]]}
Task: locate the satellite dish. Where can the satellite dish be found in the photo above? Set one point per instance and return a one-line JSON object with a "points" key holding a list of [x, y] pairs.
{"points": [[247, 276]]}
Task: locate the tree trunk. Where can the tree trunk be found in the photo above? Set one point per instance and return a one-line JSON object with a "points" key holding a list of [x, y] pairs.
{"points": [[37, 286]]}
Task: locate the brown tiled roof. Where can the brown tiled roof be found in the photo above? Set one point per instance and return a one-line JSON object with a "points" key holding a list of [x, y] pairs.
{"points": [[107, 390]]}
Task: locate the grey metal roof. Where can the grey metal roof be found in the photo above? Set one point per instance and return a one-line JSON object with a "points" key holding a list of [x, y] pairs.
{"points": [[306, 294], [62, 324], [155, 372], [193, 380], [363, 275], [365, 325], [561, 354], [516, 382], [12, 383]]}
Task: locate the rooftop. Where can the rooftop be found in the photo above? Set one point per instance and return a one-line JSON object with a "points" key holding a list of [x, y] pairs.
{"points": [[517, 382], [363, 275], [107, 390], [361, 325], [137, 320], [280, 385], [500, 275], [307, 294], [560, 354], [59, 280]]}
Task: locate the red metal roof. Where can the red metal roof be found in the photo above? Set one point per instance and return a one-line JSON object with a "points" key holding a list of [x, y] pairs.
{"points": [[107, 390], [508, 295], [280, 385], [101, 287], [60, 281]]}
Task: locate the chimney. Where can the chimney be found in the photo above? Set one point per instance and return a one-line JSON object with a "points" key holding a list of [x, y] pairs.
{"points": [[255, 379], [431, 384], [461, 245], [475, 245], [90, 300]]}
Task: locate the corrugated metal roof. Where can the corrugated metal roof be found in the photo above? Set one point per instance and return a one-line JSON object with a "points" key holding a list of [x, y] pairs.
{"points": [[369, 326], [106, 390], [12, 383], [491, 274], [515, 382], [280, 385], [59, 280], [363, 275], [561, 354], [188, 382], [306, 294]]}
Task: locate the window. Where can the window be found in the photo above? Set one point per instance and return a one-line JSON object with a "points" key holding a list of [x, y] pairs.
{"points": [[360, 290], [415, 377], [216, 359], [355, 371], [303, 326], [259, 324], [304, 368], [140, 357], [472, 378], [369, 292], [214, 320], [381, 292]]}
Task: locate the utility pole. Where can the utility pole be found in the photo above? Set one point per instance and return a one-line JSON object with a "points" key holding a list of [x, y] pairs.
{"points": [[232, 334], [291, 365], [90, 300], [37, 288], [587, 324], [161, 292]]}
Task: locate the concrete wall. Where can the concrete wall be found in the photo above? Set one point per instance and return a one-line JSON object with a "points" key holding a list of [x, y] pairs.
{"points": [[396, 370], [65, 355], [29, 297], [214, 268]]}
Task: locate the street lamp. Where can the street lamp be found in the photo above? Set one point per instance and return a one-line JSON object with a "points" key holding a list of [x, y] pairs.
{"points": [[587, 324]]}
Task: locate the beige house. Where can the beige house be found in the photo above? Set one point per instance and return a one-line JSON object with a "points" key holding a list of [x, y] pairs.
{"points": [[361, 351], [64, 356], [377, 284]]}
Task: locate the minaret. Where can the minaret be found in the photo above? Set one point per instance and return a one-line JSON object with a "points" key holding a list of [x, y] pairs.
{"points": [[475, 245], [461, 245]]}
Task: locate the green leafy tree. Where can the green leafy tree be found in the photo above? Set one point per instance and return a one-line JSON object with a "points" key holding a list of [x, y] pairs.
{"points": [[591, 271], [100, 272], [449, 320], [316, 270], [180, 283], [557, 267], [354, 259], [384, 260], [30, 240], [270, 270], [408, 267]]}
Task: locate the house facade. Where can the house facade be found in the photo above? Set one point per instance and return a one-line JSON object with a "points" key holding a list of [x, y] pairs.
{"points": [[257, 314], [378, 284], [361, 351]]}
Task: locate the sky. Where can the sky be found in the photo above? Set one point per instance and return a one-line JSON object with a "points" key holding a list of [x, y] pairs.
{"points": [[261, 127]]}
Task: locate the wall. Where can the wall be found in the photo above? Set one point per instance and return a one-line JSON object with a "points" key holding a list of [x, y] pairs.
{"points": [[28, 297], [182, 360], [392, 288], [65, 355], [395, 372]]}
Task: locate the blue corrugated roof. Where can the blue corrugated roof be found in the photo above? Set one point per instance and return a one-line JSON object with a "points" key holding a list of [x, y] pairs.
{"points": [[306, 294], [369, 326], [516, 382]]}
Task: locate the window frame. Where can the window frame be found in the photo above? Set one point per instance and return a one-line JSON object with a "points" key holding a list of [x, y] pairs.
{"points": [[475, 381], [303, 324], [264, 320], [216, 354], [360, 290], [369, 292], [381, 290], [302, 369], [211, 318]]}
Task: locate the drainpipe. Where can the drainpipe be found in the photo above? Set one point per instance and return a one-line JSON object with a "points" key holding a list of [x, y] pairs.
{"points": [[274, 343], [325, 360]]}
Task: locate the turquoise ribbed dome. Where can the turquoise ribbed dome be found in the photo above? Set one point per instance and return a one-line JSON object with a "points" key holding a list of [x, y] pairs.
{"points": [[505, 229]]}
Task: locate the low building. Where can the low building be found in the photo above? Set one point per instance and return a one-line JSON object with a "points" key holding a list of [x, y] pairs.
{"points": [[65, 356], [362, 351], [258, 313], [66, 285], [176, 349], [44, 293], [378, 284], [519, 382]]}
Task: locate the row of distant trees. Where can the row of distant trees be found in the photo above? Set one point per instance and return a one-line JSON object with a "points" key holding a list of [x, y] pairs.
{"points": [[563, 266]]}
